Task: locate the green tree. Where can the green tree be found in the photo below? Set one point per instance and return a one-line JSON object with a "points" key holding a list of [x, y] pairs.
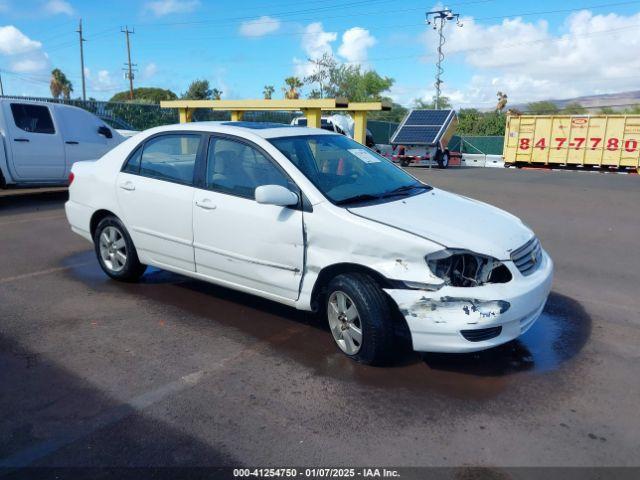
{"points": [[198, 90], [544, 107], [60, 84], [291, 90], [145, 94], [607, 111], [574, 108], [331, 79], [396, 114], [216, 94], [268, 91], [444, 103]]}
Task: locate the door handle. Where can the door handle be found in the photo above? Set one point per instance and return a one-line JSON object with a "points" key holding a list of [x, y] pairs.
{"points": [[20, 139], [71, 142], [205, 204], [127, 186]]}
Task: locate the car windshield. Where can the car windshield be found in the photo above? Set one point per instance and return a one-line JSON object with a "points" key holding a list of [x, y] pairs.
{"points": [[345, 171]]}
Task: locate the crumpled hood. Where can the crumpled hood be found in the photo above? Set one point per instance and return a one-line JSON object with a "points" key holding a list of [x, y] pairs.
{"points": [[453, 221]]}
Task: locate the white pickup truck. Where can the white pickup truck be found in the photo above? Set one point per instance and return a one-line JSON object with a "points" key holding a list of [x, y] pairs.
{"points": [[40, 141]]}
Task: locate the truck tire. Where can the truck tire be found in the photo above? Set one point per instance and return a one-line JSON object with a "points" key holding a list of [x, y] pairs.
{"points": [[115, 251], [442, 158], [404, 162], [360, 318]]}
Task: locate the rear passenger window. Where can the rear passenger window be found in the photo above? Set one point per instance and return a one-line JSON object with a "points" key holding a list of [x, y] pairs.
{"points": [[237, 168], [133, 164], [170, 157], [32, 118]]}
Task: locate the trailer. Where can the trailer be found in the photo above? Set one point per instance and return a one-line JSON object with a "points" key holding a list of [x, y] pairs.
{"points": [[422, 138], [604, 141]]}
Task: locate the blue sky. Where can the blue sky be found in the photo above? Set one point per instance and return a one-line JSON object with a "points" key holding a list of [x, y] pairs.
{"points": [[531, 50]]}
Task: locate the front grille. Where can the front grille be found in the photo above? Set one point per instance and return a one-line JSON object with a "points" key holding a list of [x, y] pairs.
{"points": [[528, 257], [481, 334]]}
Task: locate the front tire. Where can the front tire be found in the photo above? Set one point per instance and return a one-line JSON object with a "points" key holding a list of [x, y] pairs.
{"points": [[115, 251], [360, 318]]}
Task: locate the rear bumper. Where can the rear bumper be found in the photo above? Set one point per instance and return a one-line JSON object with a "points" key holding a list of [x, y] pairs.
{"points": [[437, 320], [79, 218]]}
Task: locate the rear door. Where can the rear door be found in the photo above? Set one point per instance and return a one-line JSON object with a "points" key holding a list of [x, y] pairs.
{"points": [[80, 134], [35, 142], [155, 194]]}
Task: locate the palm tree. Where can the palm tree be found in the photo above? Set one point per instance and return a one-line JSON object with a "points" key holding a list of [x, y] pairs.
{"points": [[216, 94], [268, 91], [60, 84], [293, 83]]}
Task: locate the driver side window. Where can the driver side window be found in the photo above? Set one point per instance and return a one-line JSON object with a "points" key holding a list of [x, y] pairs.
{"points": [[237, 168]]}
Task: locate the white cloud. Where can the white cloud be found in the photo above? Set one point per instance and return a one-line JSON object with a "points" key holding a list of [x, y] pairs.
{"points": [[23, 54], [55, 7], [529, 62], [102, 82], [355, 45], [315, 43], [149, 71], [259, 27], [167, 7]]}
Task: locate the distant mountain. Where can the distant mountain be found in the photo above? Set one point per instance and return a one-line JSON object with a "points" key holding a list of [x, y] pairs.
{"points": [[617, 101]]}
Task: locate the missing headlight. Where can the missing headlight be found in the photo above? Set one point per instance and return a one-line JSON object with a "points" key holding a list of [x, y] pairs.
{"points": [[459, 268]]}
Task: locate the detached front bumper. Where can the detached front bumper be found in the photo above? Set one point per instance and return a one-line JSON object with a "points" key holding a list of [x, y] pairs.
{"points": [[459, 320]]}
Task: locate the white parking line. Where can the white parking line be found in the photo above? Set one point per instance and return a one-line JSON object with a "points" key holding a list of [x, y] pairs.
{"points": [[36, 219], [79, 430], [15, 278]]}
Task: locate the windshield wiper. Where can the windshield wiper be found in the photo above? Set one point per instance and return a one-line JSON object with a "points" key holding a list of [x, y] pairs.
{"points": [[404, 189], [358, 198]]}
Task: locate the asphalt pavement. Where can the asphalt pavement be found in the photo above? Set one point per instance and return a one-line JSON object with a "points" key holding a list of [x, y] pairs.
{"points": [[177, 372]]}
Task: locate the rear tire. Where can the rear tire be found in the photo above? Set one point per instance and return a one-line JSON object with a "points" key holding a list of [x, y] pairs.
{"points": [[362, 326], [115, 251]]}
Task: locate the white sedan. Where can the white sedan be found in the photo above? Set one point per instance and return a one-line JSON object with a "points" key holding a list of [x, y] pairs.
{"points": [[314, 220]]}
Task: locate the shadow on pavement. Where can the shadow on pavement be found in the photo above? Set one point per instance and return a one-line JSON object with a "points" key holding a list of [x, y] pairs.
{"points": [[558, 336]]}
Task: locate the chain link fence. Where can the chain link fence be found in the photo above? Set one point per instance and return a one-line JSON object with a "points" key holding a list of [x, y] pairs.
{"points": [[140, 116]]}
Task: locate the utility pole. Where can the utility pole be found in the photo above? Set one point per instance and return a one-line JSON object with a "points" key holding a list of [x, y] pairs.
{"points": [[129, 73], [82, 40], [1, 87], [438, 18]]}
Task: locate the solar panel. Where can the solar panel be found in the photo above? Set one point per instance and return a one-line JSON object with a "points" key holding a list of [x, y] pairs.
{"points": [[416, 134], [427, 117], [423, 127]]}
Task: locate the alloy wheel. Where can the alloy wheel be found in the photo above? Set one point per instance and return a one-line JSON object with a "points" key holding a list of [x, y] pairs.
{"points": [[113, 248], [344, 322]]}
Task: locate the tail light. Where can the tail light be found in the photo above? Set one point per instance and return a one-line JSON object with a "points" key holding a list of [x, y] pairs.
{"points": [[71, 177]]}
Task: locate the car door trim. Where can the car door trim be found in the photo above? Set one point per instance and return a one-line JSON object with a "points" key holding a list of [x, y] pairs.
{"points": [[244, 258], [163, 236]]}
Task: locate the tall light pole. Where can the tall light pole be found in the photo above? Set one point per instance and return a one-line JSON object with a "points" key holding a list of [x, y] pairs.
{"points": [[438, 18]]}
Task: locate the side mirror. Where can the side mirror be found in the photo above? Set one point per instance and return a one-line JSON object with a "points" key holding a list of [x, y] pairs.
{"points": [[106, 131], [276, 195]]}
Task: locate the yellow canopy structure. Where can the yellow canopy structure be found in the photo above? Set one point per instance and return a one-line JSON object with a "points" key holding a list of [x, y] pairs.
{"points": [[311, 108]]}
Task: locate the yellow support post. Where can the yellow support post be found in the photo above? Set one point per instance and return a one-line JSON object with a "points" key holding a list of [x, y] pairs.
{"points": [[360, 126], [314, 117], [237, 115], [185, 115]]}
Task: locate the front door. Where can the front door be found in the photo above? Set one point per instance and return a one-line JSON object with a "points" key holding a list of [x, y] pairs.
{"points": [[237, 240], [35, 143], [155, 194]]}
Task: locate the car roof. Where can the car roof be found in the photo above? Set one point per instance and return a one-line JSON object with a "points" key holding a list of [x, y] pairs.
{"points": [[261, 129]]}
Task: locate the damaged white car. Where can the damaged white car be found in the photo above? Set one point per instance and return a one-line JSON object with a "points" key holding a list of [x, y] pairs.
{"points": [[314, 220]]}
